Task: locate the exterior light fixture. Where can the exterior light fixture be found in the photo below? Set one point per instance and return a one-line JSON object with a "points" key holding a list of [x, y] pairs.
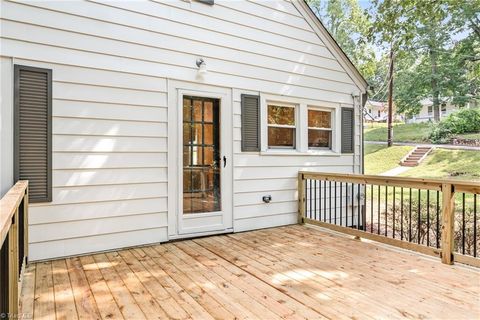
{"points": [[202, 66]]}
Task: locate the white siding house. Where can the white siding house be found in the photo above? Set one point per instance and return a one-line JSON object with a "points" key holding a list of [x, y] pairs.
{"points": [[123, 74], [377, 111], [446, 107], [426, 112]]}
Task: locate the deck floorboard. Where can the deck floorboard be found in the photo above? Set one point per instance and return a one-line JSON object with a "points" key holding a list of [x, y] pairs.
{"points": [[293, 272]]}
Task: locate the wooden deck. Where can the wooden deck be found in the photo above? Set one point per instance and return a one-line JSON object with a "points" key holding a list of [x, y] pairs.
{"points": [[290, 272]]}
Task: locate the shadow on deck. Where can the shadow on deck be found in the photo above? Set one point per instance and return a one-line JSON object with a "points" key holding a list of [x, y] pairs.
{"points": [[288, 272]]}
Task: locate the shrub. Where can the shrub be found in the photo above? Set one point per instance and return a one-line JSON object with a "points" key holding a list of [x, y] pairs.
{"points": [[462, 121], [439, 133]]}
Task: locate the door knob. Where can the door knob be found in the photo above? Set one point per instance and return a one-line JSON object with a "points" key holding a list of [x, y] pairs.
{"points": [[224, 161]]}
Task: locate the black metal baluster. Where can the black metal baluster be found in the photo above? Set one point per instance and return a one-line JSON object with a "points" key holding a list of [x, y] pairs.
{"points": [[438, 220], [463, 223], [386, 211], [371, 208], [364, 210], [428, 218], [319, 201], [359, 208], [419, 218], [410, 217], [335, 217], [310, 200], [378, 213], [393, 227], [353, 205], [341, 202], [401, 213], [314, 206], [330, 201], [324, 201], [475, 225], [306, 211]]}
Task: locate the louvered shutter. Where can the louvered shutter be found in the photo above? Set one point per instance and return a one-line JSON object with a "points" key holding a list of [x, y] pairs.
{"points": [[33, 131], [347, 130], [250, 123]]}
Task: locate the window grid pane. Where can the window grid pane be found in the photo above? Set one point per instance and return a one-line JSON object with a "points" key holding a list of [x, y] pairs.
{"points": [[319, 138], [281, 137], [281, 126], [319, 119], [281, 115]]}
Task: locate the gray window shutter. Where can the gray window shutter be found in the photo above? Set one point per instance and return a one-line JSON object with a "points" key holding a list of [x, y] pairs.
{"points": [[250, 122], [33, 131], [347, 130]]}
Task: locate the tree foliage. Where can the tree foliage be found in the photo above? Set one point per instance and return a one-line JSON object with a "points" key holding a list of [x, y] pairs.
{"points": [[436, 46], [349, 25]]}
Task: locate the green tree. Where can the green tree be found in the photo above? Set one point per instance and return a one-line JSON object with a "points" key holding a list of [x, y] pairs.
{"points": [[431, 63], [349, 25]]}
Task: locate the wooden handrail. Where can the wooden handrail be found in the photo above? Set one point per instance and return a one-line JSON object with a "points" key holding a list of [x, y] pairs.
{"points": [[13, 245], [431, 184], [448, 189], [9, 205]]}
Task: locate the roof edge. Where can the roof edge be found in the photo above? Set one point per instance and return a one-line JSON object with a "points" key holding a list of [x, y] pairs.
{"points": [[337, 51]]}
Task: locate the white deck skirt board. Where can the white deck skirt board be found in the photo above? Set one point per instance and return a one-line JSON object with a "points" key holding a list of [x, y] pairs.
{"points": [[112, 63]]}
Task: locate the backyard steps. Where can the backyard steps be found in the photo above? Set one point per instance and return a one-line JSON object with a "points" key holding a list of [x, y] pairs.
{"points": [[414, 157]]}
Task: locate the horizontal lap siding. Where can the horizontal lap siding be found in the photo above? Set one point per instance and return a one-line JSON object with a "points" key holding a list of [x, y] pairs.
{"points": [[110, 63], [109, 163]]}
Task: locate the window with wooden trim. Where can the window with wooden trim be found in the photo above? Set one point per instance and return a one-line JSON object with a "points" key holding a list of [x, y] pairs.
{"points": [[319, 129], [281, 126]]}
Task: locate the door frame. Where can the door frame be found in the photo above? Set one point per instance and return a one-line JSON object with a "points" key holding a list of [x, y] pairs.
{"points": [[176, 91]]}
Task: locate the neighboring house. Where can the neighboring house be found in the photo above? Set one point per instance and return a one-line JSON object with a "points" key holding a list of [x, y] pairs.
{"points": [[446, 108], [142, 122], [377, 111], [426, 112]]}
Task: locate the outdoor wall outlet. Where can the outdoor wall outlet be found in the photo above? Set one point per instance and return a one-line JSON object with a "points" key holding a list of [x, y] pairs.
{"points": [[267, 199]]}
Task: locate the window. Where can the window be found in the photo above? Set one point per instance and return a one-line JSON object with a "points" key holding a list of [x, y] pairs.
{"points": [[319, 129], [281, 126], [297, 126], [444, 107], [378, 112], [430, 110]]}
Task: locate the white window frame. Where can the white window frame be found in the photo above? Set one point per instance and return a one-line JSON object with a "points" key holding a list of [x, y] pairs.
{"points": [[332, 125], [301, 122], [295, 126]]}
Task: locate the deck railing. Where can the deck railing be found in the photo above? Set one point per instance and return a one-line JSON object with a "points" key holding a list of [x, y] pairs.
{"points": [[434, 217], [13, 246]]}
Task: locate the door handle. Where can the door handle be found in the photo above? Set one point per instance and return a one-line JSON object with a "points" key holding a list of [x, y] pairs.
{"points": [[224, 161]]}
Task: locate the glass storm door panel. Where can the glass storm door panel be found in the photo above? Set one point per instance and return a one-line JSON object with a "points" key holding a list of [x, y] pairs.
{"points": [[201, 155]]}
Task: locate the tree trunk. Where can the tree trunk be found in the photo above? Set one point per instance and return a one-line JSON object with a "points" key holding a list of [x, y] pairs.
{"points": [[390, 102], [435, 89]]}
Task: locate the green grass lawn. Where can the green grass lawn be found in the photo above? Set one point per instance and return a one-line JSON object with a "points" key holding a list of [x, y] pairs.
{"points": [[379, 158], [448, 164], [412, 132]]}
